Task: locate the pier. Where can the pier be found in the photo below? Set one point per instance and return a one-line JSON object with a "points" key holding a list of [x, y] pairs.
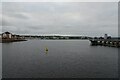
{"points": [[105, 42]]}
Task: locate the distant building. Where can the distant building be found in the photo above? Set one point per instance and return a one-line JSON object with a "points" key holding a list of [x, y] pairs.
{"points": [[105, 36], [0, 35], [15, 36], [109, 37], [6, 35]]}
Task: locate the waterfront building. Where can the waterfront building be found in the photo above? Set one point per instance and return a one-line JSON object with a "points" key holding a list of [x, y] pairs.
{"points": [[6, 35], [15, 36], [105, 36]]}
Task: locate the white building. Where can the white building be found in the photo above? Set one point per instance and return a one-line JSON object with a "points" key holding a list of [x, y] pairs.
{"points": [[7, 35], [105, 36]]}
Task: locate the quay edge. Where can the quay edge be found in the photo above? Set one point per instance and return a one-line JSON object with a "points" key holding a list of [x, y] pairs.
{"points": [[11, 40], [105, 42]]}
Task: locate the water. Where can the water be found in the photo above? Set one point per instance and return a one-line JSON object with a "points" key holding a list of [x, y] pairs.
{"points": [[64, 59], [0, 61]]}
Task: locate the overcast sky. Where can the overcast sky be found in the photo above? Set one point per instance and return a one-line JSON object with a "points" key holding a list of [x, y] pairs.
{"points": [[64, 18]]}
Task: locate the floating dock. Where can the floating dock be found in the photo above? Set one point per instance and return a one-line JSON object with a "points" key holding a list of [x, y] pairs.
{"points": [[106, 42]]}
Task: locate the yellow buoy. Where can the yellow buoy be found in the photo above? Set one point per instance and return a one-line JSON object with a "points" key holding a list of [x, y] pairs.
{"points": [[46, 49]]}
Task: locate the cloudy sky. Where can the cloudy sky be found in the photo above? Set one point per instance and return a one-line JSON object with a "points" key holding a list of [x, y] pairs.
{"points": [[64, 18]]}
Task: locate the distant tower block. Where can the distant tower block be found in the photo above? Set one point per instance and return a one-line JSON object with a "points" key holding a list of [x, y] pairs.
{"points": [[105, 36]]}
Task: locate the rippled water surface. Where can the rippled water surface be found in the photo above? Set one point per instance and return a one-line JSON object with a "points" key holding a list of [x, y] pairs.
{"points": [[64, 59]]}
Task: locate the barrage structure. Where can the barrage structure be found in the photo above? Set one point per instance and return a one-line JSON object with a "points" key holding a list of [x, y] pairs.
{"points": [[106, 42]]}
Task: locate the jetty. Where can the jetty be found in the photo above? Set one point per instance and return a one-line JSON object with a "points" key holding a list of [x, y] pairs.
{"points": [[105, 42]]}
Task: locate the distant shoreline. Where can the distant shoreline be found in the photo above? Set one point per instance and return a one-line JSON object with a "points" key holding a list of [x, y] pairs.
{"points": [[11, 40]]}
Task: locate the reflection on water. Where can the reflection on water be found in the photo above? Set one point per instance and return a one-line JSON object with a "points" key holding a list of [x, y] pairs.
{"points": [[46, 52]]}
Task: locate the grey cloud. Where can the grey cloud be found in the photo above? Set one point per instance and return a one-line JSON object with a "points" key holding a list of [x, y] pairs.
{"points": [[5, 23], [20, 16], [93, 19]]}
